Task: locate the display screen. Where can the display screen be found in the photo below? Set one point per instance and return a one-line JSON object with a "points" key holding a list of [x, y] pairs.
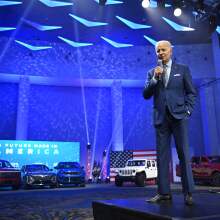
{"points": [[20, 153]]}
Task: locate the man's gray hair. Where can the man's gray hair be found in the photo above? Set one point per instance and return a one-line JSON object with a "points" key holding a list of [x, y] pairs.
{"points": [[163, 41]]}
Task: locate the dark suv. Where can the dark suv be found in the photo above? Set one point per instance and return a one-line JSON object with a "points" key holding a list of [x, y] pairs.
{"points": [[70, 173], [9, 176], [205, 169]]}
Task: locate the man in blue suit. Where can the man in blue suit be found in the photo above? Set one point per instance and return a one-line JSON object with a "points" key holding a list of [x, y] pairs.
{"points": [[174, 95]]}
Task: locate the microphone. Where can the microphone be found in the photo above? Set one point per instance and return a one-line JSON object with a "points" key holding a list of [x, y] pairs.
{"points": [[160, 64]]}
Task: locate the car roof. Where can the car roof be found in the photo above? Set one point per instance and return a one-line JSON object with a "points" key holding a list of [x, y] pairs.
{"points": [[4, 161], [141, 159], [31, 165]]}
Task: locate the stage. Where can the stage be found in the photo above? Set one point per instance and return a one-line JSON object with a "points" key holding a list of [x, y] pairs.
{"points": [[206, 206]]}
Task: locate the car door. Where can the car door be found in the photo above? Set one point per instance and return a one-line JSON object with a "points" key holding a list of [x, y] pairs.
{"points": [[151, 169]]}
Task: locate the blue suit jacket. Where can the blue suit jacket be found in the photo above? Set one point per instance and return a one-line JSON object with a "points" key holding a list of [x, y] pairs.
{"points": [[179, 95]]}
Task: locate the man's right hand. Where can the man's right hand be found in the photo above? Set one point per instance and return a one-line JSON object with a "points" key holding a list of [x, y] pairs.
{"points": [[158, 71]]}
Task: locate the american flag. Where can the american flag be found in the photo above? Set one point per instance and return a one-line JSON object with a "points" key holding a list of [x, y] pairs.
{"points": [[118, 159]]}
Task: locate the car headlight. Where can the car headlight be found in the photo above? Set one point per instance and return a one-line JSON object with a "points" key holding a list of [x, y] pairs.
{"points": [[30, 179], [53, 179]]}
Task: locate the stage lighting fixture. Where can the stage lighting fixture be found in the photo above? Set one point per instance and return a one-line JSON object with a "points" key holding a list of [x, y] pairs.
{"points": [[177, 12], [178, 6], [88, 146], [102, 2], [104, 153], [145, 3], [161, 3], [199, 5]]}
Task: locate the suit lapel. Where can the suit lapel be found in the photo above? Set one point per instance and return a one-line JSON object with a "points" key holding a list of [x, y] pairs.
{"points": [[172, 72]]}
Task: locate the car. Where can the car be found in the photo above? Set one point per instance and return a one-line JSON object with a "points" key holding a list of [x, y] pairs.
{"points": [[34, 175], [205, 169], [138, 171], [69, 173], [9, 176]]}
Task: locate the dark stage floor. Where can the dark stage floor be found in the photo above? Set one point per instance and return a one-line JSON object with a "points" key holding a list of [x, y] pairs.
{"points": [[76, 203]]}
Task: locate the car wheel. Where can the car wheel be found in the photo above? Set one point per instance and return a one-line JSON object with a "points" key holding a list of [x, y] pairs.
{"points": [[118, 181], [15, 187], [216, 179], [26, 186], [140, 179]]}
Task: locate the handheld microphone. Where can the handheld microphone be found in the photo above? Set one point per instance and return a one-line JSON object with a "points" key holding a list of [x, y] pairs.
{"points": [[160, 64]]}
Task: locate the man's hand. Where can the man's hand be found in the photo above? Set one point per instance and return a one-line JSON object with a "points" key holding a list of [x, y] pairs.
{"points": [[158, 71]]}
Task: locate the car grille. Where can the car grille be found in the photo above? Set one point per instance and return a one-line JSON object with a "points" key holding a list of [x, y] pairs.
{"points": [[41, 179], [71, 173], [126, 172], [71, 180]]}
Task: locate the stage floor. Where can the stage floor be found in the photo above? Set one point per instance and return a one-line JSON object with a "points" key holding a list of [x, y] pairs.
{"points": [[207, 206]]}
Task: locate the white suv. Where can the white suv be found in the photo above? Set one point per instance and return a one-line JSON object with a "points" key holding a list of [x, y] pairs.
{"points": [[137, 171]]}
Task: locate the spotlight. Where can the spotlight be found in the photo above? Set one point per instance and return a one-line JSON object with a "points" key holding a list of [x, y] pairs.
{"points": [[177, 12], [102, 2], [145, 3], [161, 3], [89, 180], [178, 6], [107, 180], [104, 153], [199, 6]]}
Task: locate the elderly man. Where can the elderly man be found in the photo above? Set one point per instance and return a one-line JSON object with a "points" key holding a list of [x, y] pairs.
{"points": [[174, 95]]}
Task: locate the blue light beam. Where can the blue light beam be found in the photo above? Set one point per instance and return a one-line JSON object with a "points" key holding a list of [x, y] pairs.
{"points": [[7, 28], [115, 44], [153, 4], [131, 24], [152, 41], [51, 3], [6, 3], [34, 48], [218, 29], [87, 22], [111, 2], [73, 43], [176, 26], [41, 27]]}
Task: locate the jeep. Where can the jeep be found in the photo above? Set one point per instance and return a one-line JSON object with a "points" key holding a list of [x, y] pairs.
{"points": [[138, 171]]}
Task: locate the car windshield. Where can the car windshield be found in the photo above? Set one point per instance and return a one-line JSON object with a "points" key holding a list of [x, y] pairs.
{"points": [[34, 168], [5, 164], [136, 163], [215, 159], [68, 165]]}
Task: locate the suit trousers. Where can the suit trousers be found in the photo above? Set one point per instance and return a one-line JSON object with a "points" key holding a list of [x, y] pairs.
{"points": [[179, 129]]}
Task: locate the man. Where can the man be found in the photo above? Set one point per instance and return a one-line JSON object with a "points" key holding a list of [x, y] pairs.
{"points": [[173, 93]]}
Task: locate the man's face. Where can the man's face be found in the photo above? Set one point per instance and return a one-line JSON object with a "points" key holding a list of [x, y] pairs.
{"points": [[164, 51]]}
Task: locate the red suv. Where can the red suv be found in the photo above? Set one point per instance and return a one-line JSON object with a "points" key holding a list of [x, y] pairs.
{"points": [[205, 169], [9, 176]]}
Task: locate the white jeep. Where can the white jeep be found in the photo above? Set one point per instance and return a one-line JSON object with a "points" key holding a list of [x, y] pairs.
{"points": [[138, 171]]}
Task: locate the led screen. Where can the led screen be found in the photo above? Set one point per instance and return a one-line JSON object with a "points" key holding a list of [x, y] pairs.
{"points": [[19, 153]]}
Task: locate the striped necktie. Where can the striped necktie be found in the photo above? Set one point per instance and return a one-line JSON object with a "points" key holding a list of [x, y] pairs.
{"points": [[165, 75]]}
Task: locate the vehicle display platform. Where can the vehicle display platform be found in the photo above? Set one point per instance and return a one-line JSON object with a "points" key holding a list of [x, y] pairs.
{"points": [[206, 206]]}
